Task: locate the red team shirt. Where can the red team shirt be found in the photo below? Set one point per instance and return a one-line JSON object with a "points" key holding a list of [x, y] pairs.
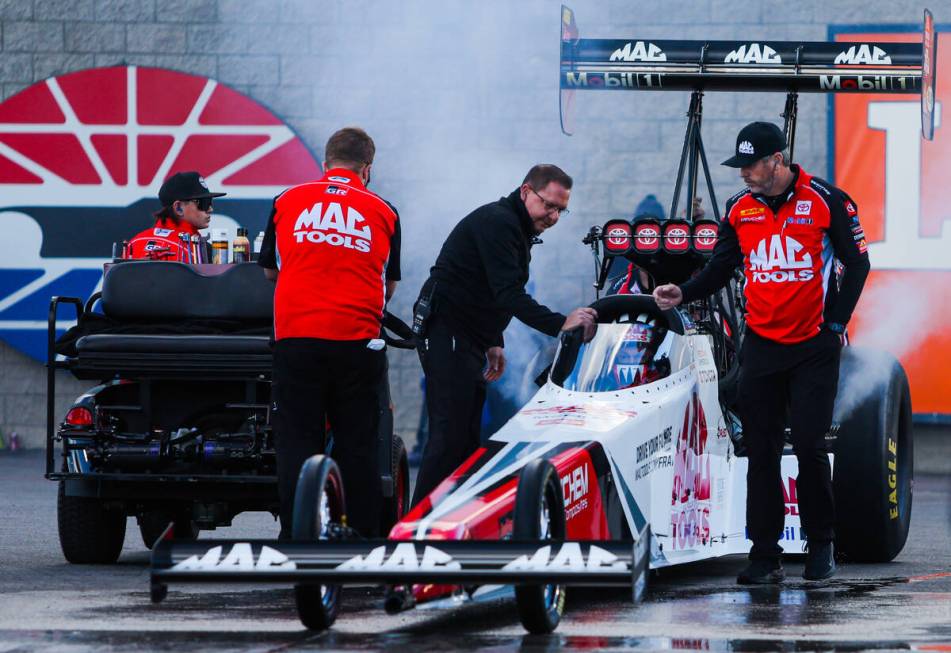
{"points": [[331, 240], [161, 242], [788, 258]]}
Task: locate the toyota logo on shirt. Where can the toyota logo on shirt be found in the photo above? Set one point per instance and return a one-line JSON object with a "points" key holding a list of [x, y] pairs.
{"points": [[82, 156]]}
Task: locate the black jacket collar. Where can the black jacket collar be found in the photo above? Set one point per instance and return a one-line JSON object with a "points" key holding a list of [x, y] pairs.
{"points": [[525, 220]]}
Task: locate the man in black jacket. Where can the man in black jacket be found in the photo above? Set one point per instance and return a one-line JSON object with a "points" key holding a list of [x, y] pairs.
{"points": [[475, 288]]}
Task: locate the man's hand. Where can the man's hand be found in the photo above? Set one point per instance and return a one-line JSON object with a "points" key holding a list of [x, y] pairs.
{"points": [[496, 364], [583, 318], [668, 296]]}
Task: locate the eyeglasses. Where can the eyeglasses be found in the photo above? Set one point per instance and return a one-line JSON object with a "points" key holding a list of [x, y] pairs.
{"points": [[550, 206]]}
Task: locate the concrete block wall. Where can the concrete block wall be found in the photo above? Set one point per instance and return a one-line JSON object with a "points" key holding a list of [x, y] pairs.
{"points": [[460, 97]]}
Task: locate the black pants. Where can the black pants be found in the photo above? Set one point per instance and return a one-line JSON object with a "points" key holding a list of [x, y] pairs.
{"points": [[455, 394], [319, 380], [800, 381]]}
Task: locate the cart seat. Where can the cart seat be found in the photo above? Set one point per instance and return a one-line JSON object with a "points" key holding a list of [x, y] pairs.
{"points": [[219, 345]]}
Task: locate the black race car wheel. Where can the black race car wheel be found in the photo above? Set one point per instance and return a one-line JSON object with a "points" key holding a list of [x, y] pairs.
{"points": [[396, 506], [539, 515], [319, 504], [89, 534], [873, 471], [153, 523]]}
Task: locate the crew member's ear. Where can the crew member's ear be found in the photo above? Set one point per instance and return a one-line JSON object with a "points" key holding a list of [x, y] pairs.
{"points": [[178, 208], [523, 191], [365, 174]]}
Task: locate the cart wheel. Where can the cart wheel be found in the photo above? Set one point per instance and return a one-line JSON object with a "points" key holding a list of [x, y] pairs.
{"points": [[318, 504], [396, 506], [88, 532], [873, 471], [539, 515], [153, 523]]}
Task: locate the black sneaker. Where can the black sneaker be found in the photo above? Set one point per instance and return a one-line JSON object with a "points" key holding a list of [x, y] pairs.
{"points": [[762, 572], [820, 561]]}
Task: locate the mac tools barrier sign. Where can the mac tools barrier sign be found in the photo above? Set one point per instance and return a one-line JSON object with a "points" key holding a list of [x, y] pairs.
{"points": [[902, 185], [82, 157]]}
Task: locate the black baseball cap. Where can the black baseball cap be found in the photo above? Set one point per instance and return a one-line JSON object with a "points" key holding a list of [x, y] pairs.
{"points": [[755, 141], [184, 186]]}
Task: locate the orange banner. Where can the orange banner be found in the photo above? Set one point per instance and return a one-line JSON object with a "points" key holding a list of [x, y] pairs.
{"points": [[902, 186]]}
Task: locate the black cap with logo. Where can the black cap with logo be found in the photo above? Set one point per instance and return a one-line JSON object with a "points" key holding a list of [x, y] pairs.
{"points": [[184, 186], [755, 141]]}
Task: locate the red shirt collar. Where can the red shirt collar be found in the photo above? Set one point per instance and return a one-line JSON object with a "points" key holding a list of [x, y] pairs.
{"points": [[341, 174], [178, 225]]}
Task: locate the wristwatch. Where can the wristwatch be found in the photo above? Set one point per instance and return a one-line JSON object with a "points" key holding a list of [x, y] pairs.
{"points": [[835, 327]]}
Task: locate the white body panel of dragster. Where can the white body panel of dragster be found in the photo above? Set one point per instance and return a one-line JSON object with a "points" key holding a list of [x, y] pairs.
{"points": [[670, 452]]}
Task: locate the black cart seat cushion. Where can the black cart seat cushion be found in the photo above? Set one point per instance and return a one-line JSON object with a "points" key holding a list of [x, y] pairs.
{"points": [[169, 291], [123, 343]]}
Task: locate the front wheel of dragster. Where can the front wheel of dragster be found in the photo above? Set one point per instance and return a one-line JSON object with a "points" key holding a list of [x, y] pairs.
{"points": [[319, 505], [539, 515], [873, 470]]}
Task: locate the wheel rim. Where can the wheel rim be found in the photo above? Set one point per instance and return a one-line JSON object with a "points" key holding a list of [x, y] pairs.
{"points": [[327, 514]]}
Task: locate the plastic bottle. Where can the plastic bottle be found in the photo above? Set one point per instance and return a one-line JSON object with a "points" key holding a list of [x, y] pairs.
{"points": [[258, 243], [219, 247], [241, 247]]}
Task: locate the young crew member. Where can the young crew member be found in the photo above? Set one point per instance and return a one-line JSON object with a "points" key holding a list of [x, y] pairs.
{"points": [[186, 208]]}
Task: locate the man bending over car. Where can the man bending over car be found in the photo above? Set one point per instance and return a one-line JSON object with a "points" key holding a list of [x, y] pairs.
{"points": [[786, 229]]}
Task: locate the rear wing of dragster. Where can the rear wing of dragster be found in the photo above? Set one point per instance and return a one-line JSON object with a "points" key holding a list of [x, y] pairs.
{"points": [[391, 562], [784, 66], [792, 67]]}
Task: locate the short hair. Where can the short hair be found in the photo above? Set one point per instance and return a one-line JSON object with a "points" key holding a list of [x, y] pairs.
{"points": [[350, 147], [543, 174]]}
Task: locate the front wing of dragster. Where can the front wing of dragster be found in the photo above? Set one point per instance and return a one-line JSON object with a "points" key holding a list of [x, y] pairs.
{"points": [[388, 562]]}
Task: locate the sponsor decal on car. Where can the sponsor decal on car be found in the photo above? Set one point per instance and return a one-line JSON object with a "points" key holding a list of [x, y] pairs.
{"points": [[569, 557], [239, 558], [753, 53], [863, 54], [614, 80], [403, 558], [639, 51], [690, 494], [790, 498], [892, 462], [574, 487]]}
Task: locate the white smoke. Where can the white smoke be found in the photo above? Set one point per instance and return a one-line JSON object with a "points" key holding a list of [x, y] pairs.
{"points": [[895, 311]]}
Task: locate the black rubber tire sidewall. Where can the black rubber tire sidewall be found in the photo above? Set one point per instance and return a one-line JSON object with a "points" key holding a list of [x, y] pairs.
{"points": [[536, 478], [88, 532], [872, 518], [313, 478]]}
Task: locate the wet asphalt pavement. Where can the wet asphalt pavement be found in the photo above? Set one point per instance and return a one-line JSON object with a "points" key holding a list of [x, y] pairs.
{"points": [[47, 604]]}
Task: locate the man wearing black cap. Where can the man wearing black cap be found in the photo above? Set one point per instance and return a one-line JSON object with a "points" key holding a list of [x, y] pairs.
{"points": [[787, 229], [186, 208]]}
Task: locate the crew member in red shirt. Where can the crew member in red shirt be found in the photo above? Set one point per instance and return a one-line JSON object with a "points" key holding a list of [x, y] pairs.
{"points": [[787, 229], [186, 208], [333, 248]]}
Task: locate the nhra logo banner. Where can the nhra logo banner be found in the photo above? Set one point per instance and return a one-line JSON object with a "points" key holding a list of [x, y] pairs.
{"points": [[82, 157], [900, 184]]}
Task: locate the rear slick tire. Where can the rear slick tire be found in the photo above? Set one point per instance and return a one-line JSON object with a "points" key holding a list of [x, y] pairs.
{"points": [[318, 503], [873, 470], [539, 515]]}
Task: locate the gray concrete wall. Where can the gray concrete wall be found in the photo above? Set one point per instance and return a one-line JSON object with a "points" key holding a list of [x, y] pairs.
{"points": [[461, 99]]}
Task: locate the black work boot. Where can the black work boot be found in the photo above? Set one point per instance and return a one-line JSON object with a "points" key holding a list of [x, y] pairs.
{"points": [[820, 561], [762, 572]]}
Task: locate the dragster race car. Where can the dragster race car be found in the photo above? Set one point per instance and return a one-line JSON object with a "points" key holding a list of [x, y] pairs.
{"points": [[630, 456]]}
